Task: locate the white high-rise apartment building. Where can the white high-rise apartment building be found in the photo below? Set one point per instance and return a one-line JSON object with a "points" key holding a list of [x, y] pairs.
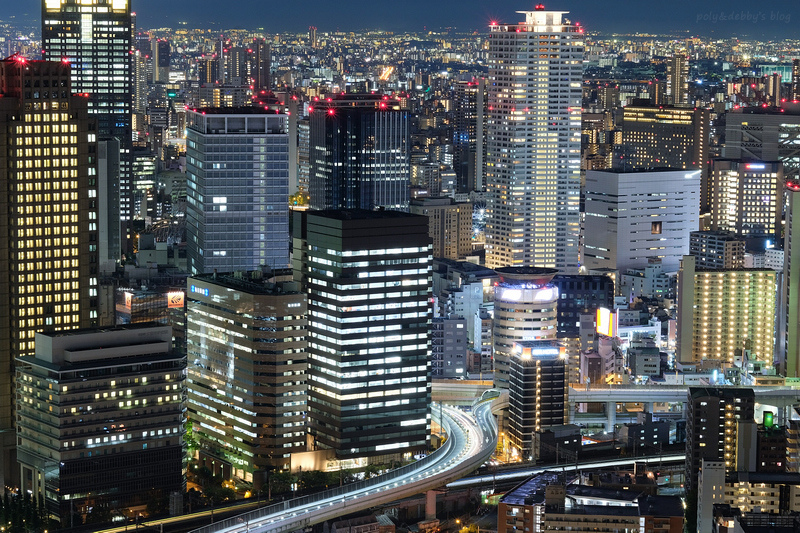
{"points": [[534, 142]]}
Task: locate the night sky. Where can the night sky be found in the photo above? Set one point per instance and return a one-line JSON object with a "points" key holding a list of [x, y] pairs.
{"points": [[765, 20]]}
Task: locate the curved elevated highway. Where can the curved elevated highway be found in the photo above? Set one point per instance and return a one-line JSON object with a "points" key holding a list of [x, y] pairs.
{"points": [[471, 441]]}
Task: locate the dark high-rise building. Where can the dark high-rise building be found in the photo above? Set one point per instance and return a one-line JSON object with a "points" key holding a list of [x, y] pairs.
{"points": [[469, 140], [106, 428], [579, 294], [48, 217], [161, 52], [764, 134], [368, 276], [262, 64], [359, 153], [712, 417], [537, 392]]}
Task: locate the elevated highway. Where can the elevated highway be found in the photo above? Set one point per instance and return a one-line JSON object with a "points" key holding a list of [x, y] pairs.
{"points": [[471, 441]]}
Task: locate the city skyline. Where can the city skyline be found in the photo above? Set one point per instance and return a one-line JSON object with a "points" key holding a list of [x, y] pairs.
{"points": [[736, 19]]}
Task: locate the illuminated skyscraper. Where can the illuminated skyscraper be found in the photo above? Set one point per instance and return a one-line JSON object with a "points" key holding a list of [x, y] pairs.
{"points": [[665, 136], [746, 198], [48, 209], [247, 378], [678, 80], [534, 142], [368, 276], [94, 36], [237, 179]]}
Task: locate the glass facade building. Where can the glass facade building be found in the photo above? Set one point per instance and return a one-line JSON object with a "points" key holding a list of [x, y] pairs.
{"points": [[237, 168], [359, 153], [368, 276]]}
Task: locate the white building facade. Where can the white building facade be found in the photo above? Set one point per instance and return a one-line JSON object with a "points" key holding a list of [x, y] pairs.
{"points": [[633, 217]]}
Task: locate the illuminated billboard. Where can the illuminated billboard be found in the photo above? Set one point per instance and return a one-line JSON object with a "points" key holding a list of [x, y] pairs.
{"points": [[175, 300], [606, 322]]}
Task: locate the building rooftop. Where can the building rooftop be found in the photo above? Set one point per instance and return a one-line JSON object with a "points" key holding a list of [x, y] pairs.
{"points": [[360, 214], [660, 506], [600, 493], [721, 392], [255, 282], [531, 491], [243, 110]]}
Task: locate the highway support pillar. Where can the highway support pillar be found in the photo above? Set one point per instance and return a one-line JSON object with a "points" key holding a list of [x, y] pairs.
{"points": [[430, 505], [611, 416]]}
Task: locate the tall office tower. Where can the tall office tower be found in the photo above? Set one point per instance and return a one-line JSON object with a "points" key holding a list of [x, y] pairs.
{"points": [[369, 387], [788, 335], [537, 392], [237, 171], [48, 209], [746, 199], [449, 225], [534, 142], [359, 153], [94, 36], [525, 305], [106, 426], [764, 134], [247, 381], [721, 312], [221, 52], [717, 250], [262, 65], [666, 137], [678, 80], [469, 138], [795, 80], [161, 52], [237, 73], [712, 417], [632, 217]]}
